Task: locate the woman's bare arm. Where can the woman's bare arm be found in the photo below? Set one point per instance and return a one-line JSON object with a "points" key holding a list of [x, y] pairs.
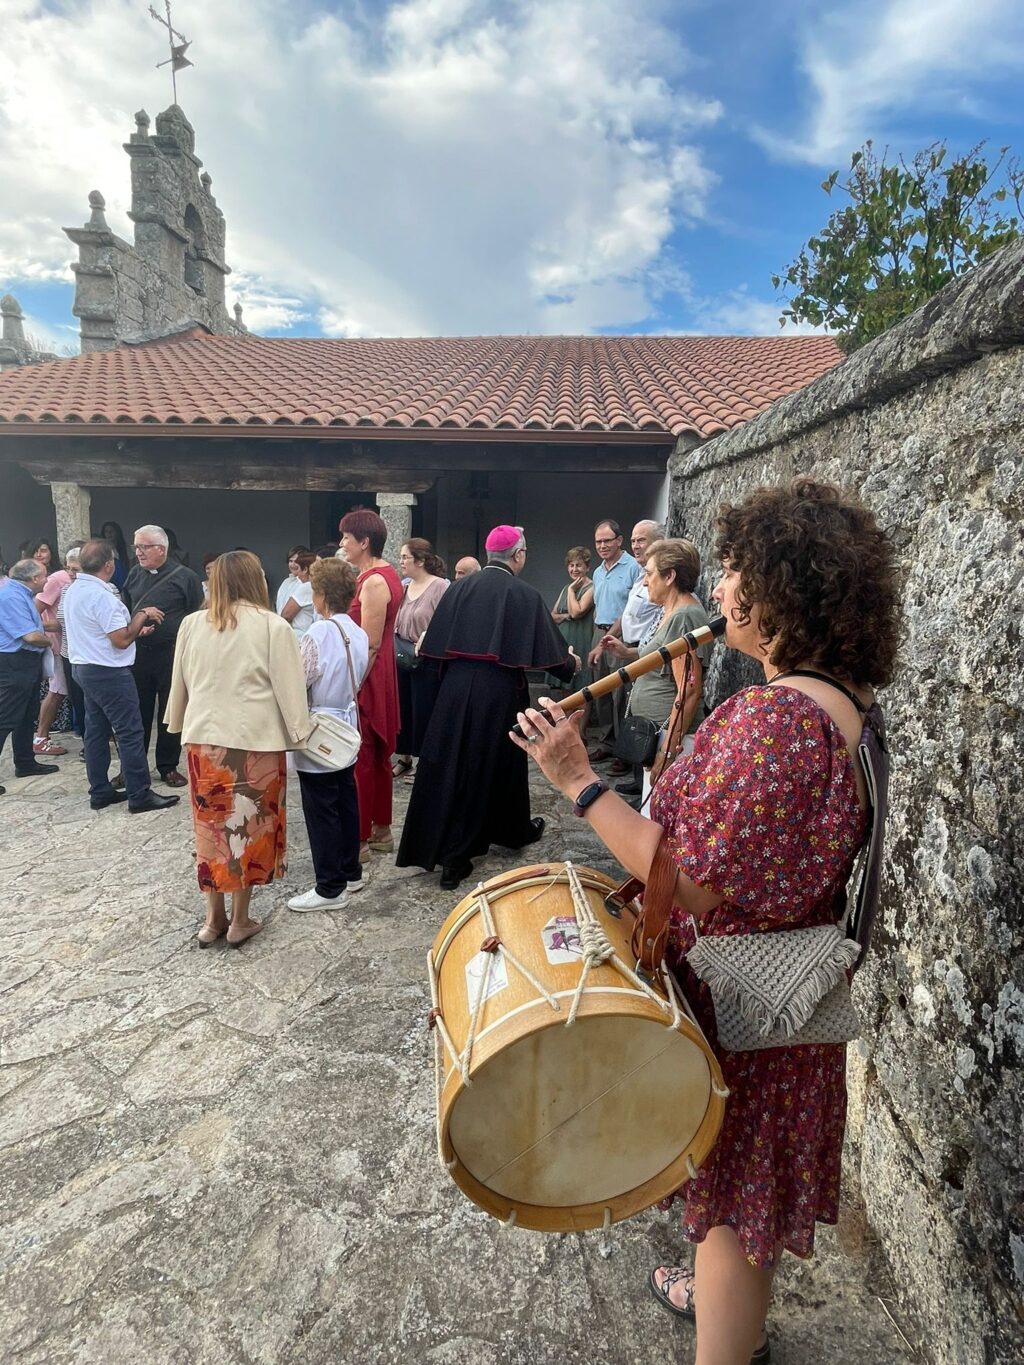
{"points": [[374, 597]]}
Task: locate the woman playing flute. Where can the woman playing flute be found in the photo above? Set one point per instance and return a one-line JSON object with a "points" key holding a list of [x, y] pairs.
{"points": [[763, 820]]}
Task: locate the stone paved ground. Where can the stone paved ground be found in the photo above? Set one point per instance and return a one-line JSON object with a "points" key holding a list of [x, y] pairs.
{"points": [[219, 1157]]}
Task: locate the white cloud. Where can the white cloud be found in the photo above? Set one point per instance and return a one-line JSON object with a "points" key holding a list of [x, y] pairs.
{"points": [[441, 166], [740, 313], [872, 61]]}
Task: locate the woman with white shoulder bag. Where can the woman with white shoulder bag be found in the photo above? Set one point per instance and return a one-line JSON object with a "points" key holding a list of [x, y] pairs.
{"points": [[335, 656]]}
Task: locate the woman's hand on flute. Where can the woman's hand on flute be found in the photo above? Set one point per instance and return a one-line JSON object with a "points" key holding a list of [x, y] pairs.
{"points": [[557, 749]]}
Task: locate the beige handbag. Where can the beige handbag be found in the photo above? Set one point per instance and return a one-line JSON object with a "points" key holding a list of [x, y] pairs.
{"points": [[332, 742]]}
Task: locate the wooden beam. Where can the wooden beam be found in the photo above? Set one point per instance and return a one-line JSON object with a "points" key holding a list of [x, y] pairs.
{"points": [[345, 478], [406, 466]]}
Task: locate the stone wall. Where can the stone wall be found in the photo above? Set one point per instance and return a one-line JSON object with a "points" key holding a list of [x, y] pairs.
{"points": [[928, 423]]}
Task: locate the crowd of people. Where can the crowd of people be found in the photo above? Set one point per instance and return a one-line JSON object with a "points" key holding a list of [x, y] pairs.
{"points": [[109, 648], [761, 806]]}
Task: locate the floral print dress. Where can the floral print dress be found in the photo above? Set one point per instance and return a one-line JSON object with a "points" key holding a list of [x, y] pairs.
{"points": [[238, 814], [765, 813]]}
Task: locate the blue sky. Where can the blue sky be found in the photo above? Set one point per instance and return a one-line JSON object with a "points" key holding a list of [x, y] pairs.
{"points": [[454, 166]]}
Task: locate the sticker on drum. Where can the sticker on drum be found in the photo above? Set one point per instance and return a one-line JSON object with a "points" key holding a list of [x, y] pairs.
{"points": [[561, 939], [474, 972]]}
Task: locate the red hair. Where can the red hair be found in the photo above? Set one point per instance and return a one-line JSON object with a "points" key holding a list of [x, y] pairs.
{"points": [[365, 525]]}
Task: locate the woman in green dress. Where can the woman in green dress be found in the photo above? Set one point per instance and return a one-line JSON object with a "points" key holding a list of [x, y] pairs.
{"points": [[573, 613]]}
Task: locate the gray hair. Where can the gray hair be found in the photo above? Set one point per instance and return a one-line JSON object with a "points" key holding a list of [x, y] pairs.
{"points": [[73, 552], [156, 533], [655, 527], [507, 556], [26, 569]]}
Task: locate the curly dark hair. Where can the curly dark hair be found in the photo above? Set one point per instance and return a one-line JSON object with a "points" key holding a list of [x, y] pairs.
{"points": [[814, 560]]}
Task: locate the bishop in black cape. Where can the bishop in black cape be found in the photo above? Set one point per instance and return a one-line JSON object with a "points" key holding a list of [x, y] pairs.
{"points": [[472, 783]]}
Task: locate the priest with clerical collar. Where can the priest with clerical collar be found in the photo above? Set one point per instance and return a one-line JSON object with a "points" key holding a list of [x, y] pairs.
{"points": [[472, 784], [157, 581]]}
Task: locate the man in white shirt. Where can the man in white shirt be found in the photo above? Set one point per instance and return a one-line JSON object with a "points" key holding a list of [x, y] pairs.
{"points": [[101, 635], [640, 614]]}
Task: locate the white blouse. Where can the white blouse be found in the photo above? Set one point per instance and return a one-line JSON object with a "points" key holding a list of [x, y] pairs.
{"points": [[328, 681]]}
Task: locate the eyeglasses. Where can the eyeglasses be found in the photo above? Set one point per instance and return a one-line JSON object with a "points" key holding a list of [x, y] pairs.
{"points": [[137, 548], [607, 542]]}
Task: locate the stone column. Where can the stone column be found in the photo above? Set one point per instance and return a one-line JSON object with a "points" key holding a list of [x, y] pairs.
{"points": [[71, 502], [396, 513]]}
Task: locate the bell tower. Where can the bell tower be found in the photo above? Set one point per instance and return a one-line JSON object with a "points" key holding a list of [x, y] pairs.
{"points": [[173, 277]]}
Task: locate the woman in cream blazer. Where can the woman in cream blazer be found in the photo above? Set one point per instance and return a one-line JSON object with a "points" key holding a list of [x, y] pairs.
{"points": [[238, 699]]}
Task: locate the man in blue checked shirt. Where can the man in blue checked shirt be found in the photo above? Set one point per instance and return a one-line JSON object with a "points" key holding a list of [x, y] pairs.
{"points": [[613, 579], [23, 641]]}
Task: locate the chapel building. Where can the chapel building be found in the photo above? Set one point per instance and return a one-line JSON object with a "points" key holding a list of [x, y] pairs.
{"points": [[175, 414]]}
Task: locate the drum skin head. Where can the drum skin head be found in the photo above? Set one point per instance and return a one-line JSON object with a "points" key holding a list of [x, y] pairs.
{"points": [[554, 1120], [563, 1127]]}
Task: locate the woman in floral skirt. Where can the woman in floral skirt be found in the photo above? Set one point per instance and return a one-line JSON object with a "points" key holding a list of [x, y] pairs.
{"points": [[238, 697]]}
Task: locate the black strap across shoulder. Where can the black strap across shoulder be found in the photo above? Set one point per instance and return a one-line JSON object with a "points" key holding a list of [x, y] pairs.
{"points": [[823, 677]]}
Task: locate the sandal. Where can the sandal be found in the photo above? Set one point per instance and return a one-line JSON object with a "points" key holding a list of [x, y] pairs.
{"points": [[401, 766], [677, 1274]]}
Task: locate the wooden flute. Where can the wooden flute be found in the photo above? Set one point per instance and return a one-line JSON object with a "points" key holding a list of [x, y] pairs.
{"points": [[688, 643]]}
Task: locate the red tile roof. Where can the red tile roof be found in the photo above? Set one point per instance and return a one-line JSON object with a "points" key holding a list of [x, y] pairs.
{"points": [[428, 386]]}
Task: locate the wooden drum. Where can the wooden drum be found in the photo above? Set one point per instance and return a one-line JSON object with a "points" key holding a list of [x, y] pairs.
{"points": [[571, 1093]]}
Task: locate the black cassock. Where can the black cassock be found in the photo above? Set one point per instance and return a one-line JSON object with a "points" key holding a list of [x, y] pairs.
{"points": [[472, 783]]}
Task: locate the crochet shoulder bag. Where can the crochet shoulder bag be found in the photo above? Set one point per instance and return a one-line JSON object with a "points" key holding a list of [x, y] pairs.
{"points": [[790, 987]]}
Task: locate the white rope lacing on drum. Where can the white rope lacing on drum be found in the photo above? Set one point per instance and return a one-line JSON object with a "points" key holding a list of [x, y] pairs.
{"points": [[597, 949], [442, 1040], [495, 947], [509, 956]]}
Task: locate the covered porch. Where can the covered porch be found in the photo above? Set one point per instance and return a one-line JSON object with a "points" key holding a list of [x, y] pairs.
{"points": [[267, 492]]}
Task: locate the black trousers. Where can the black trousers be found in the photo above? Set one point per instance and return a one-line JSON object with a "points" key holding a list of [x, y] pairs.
{"points": [[330, 808], [20, 674], [152, 673]]}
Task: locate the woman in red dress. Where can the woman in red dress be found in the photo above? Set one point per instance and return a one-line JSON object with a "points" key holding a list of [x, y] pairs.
{"points": [[375, 606], [763, 821]]}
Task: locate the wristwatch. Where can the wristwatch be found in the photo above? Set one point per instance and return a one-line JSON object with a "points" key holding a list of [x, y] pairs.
{"points": [[588, 796]]}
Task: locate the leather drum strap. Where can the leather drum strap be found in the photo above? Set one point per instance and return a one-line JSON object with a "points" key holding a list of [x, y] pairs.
{"points": [[650, 933]]}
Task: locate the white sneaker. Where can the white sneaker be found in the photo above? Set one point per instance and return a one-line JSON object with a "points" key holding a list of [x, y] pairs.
{"points": [[311, 900], [360, 885]]}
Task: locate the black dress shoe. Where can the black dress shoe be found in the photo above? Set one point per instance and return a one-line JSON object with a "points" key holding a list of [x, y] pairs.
{"points": [[152, 802], [36, 770], [114, 799], [453, 873], [536, 832], [627, 788]]}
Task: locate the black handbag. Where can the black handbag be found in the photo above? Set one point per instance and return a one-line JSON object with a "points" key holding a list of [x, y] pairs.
{"points": [[637, 741], [405, 655]]}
